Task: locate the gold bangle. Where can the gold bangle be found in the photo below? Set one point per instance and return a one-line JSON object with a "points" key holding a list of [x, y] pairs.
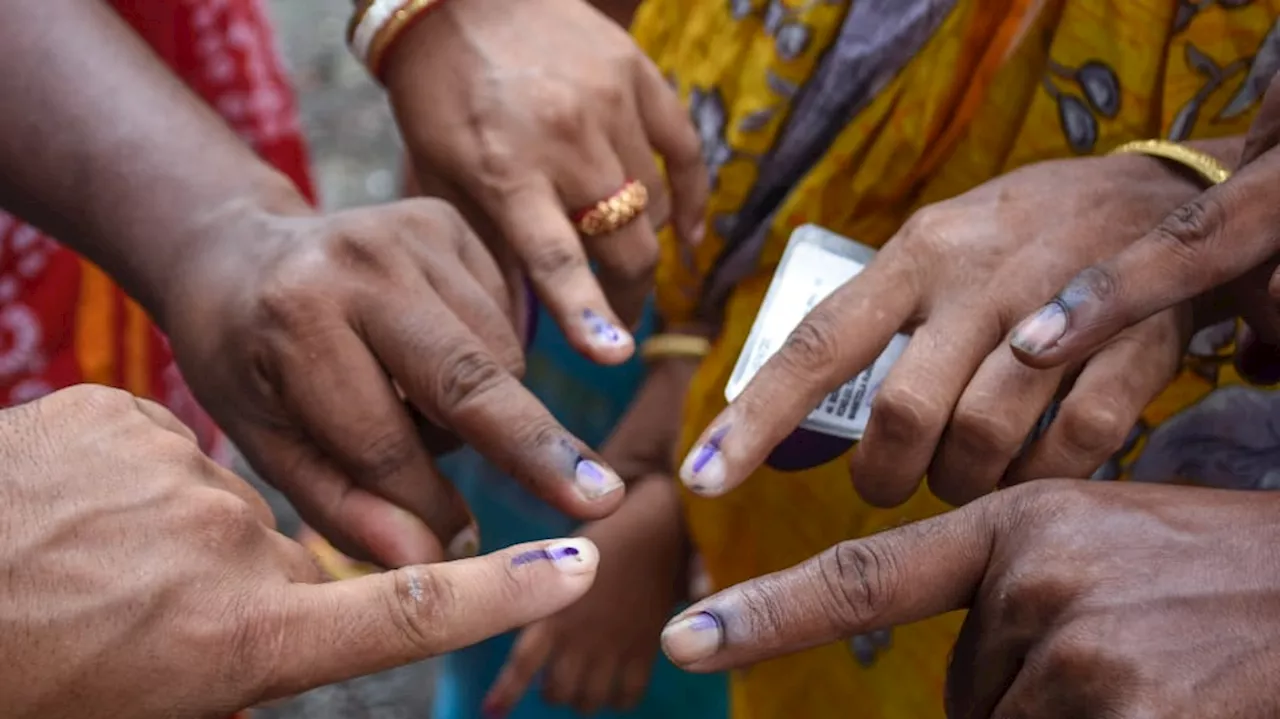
{"points": [[663, 346], [1203, 164], [391, 31], [362, 8]]}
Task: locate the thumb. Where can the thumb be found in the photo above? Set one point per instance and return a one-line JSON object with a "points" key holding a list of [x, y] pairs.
{"points": [[332, 632], [1214, 239], [896, 577]]}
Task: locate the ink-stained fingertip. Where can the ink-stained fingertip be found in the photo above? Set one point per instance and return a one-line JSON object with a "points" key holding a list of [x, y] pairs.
{"points": [[692, 638], [574, 556], [1040, 332], [606, 341], [704, 470]]}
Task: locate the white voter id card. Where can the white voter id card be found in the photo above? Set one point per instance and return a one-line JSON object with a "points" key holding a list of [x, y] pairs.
{"points": [[815, 263]]}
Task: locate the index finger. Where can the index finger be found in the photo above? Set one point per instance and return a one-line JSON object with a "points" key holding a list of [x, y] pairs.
{"points": [[541, 233], [896, 577], [1211, 240], [840, 337], [457, 383], [332, 632]]}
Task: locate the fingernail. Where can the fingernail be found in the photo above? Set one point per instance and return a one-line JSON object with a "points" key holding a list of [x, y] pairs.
{"points": [[594, 480], [692, 638], [466, 544], [571, 556], [1042, 330], [603, 333], [703, 470]]}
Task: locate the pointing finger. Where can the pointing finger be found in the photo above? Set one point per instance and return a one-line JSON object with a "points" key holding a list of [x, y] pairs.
{"points": [[841, 336], [342, 630], [895, 577], [1211, 240]]}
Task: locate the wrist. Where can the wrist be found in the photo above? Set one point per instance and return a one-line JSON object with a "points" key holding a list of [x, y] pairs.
{"points": [[212, 240], [1191, 173], [398, 65]]}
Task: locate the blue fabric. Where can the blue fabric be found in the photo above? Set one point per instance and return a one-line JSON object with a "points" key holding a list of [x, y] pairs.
{"points": [[588, 399]]}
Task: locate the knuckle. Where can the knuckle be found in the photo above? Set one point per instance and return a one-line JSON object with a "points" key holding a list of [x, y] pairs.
{"points": [[542, 431], [904, 414], [764, 609], [286, 301], [433, 212], [928, 231], [226, 517], [465, 375], [433, 221], [421, 607], [563, 113], [1046, 503], [1189, 229], [1095, 425], [1076, 653], [361, 252], [812, 346], [985, 431], [97, 400], [1098, 282], [612, 93], [858, 577], [553, 261], [1026, 600], [383, 454]]}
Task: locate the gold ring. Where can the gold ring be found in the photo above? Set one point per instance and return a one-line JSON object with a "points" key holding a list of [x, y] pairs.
{"points": [[614, 212]]}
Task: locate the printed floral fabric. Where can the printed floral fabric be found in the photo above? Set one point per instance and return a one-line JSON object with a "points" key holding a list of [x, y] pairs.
{"points": [[988, 86], [62, 320]]}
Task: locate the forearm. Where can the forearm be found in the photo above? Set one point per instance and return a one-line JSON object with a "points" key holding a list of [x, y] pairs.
{"points": [[105, 149]]}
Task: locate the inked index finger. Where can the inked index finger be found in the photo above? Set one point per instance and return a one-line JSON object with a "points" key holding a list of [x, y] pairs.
{"points": [[457, 383], [840, 337], [1211, 240], [896, 577]]}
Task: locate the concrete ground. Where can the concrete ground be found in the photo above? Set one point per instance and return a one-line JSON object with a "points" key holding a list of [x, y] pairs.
{"points": [[355, 155]]}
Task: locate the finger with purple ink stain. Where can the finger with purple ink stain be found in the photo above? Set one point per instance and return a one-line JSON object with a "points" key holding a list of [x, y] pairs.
{"points": [[386, 620]]}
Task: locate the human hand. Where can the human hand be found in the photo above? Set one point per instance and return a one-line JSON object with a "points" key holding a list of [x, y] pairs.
{"points": [[303, 334], [1228, 237], [1085, 599], [599, 651], [138, 578], [957, 405], [543, 109]]}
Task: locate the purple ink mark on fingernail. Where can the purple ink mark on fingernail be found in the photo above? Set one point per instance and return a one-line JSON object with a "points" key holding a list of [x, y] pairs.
{"points": [[586, 469], [563, 552], [553, 554], [703, 621], [709, 449], [705, 453], [601, 327]]}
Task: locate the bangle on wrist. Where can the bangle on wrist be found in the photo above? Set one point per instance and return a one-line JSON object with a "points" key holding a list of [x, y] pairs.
{"points": [[362, 8], [672, 345], [376, 27], [1205, 166]]}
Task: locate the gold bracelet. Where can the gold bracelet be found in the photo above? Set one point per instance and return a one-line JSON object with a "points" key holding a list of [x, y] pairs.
{"points": [[395, 26], [1203, 164], [662, 346]]}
